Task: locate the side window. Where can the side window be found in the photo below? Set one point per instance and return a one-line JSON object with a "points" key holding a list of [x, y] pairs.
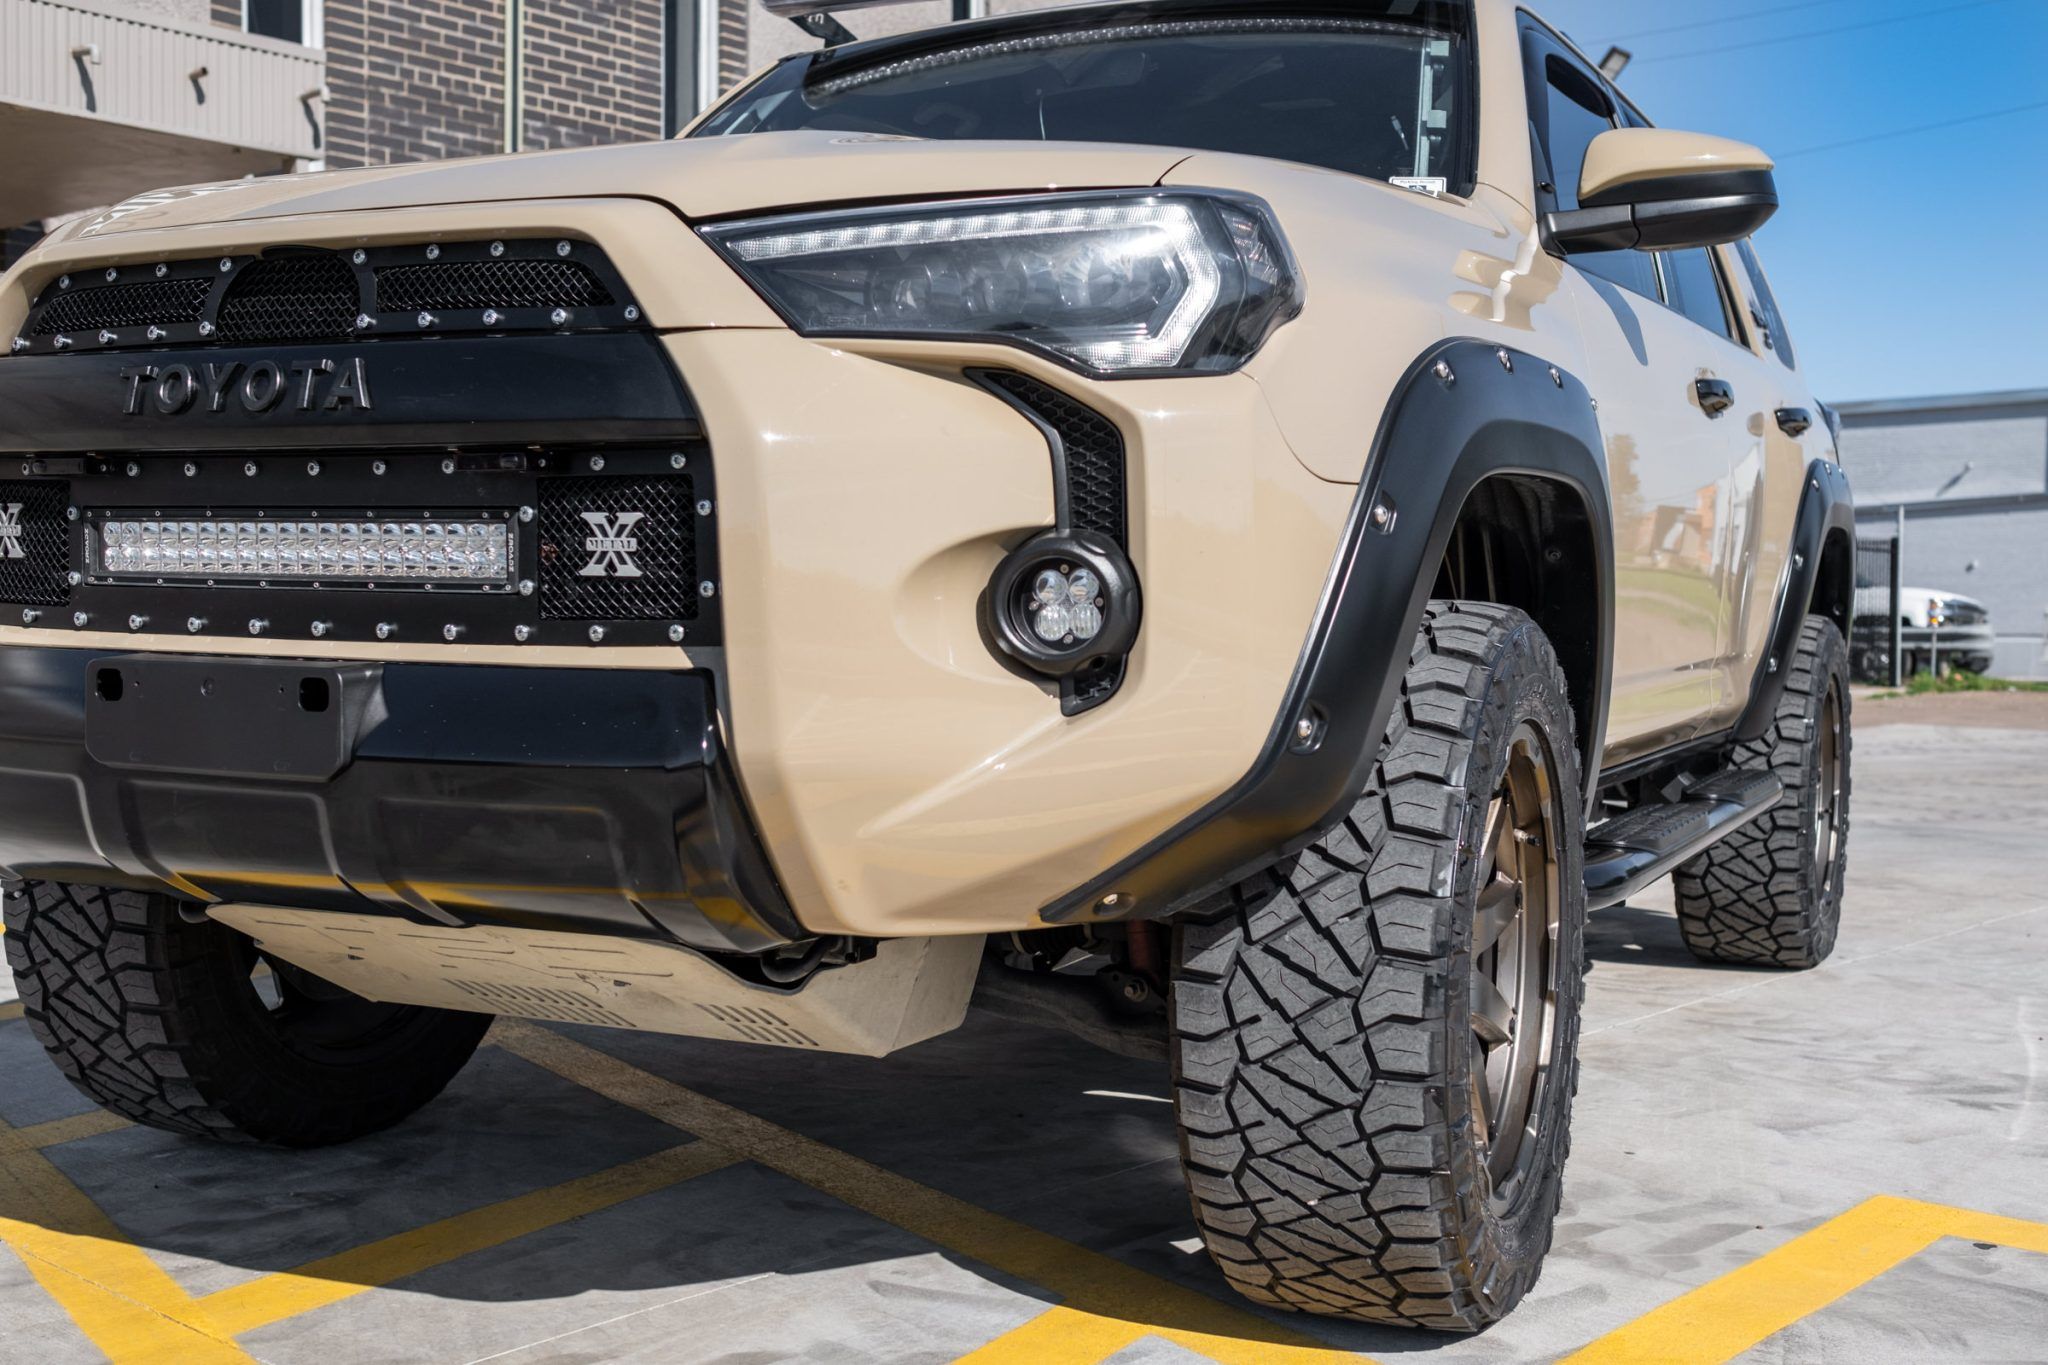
{"points": [[1692, 286], [1574, 111], [295, 21], [1770, 323]]}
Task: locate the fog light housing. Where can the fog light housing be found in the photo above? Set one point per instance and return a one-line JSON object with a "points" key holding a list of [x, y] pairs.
{"points": [[1062, 601]]}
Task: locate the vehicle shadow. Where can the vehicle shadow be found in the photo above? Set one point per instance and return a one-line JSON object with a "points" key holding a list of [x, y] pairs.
{"points": [[1637, 936], [1030, 1125]]}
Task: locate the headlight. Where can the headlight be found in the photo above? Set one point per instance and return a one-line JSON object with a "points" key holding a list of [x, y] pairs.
{"points": [[1117, 283]]}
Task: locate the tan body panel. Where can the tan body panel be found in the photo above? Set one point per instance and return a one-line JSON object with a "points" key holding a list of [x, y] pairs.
{"points": [[1629, 156]]}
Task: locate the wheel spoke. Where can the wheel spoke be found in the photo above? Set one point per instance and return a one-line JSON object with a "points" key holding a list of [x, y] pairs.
{"points": [[1493, 1017], [1497, 907]]}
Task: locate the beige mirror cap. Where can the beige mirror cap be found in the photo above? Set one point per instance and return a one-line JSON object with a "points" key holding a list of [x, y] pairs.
{"points": [[1628, 156]]}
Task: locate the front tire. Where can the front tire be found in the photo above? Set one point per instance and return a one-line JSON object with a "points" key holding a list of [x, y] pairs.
{"points": [[171, 1022], [1771, 894], [1375, 1042]]}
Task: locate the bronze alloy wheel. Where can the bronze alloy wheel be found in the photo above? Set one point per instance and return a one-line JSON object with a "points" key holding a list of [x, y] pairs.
{"points": [[1514, 972]]}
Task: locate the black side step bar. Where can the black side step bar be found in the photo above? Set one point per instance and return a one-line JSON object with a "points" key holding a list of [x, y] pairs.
{"points": [[1627, 853]]}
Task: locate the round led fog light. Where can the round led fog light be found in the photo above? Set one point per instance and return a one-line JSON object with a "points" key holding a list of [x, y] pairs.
{"points": [[1061, 601]]}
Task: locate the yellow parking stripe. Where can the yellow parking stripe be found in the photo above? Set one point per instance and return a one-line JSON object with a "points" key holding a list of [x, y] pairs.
{"points": [[1127, 1304], [57, 1132], [11, 1010], [120, 1298], [258, 1303], [1058, 1334], [1725, 1317]]}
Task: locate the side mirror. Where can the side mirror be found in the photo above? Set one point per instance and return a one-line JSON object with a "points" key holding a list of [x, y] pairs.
{"points": [[1653, 189]]}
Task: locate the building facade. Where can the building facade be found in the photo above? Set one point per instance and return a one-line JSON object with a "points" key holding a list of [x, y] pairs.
{"points": [[1971, 475]]}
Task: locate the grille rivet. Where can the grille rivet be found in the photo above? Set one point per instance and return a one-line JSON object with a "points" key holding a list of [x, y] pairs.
{"points": [[313, 467], [497, 248], [703, 507], [364, 322], [385, 630], [21, 343], [675, 634], [191, 470], [74, 578], [448, 466], [71, 514], [677, 461], [63, 281], [226, 264], [155, 332], [522, 633], [451, 632], [433, 253], [491, 316], [378, 466], [426, 319], [561, 248], [206, 329], [706, 588], [195, 624], [632, 313], [359, 256], [63, 343], [29, 615], [107, 337], [559, 316], [320, 628], [526, 587], [249, 469], [596, 634], [112, 274], [162, 270], [79, 618], [257, 625], [134, 469], [526, 514], [137, 622], [596, 463]]}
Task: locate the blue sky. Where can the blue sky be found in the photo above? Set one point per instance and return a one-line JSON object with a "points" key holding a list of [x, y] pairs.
{"points": [[1909, 266]]}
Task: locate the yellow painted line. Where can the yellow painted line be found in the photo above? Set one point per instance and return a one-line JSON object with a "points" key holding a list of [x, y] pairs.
{"points": [[11, 1010], [1725, 1317], [1058, 1334], [273, 1298], [120, 1298], [57, 1132], [1104, 1300]]}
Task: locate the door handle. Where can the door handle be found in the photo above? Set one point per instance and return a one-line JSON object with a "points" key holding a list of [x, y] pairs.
{"points": [[1716, 395], [1794, 422]]}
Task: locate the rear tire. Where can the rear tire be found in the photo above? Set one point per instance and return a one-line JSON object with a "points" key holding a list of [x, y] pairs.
{"points": [[162, 1020], [1771, 894], [1375, 1042]]}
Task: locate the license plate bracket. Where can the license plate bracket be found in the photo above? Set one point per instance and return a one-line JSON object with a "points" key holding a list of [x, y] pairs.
{"points": [[260, 718]]}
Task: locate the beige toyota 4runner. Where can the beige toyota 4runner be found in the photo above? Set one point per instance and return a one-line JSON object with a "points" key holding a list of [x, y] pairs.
{"points": [[1237, 522]]}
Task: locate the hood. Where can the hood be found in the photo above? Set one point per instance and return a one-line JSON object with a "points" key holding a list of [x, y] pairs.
{"points": [[699, 177]]}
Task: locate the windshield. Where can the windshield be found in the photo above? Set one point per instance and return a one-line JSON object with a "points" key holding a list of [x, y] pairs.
{"points": [[1371, 97]]}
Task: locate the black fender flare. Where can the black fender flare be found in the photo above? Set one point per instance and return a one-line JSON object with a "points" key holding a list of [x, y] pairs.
{"points": [[1464, 412], [1827, 509]]}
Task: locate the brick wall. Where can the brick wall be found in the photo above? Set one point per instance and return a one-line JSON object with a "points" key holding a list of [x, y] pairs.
{"points": [[591, 72], [414, 80]]}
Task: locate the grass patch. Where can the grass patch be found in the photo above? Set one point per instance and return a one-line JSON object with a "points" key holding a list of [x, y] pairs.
{"points": [[1930, 685]]}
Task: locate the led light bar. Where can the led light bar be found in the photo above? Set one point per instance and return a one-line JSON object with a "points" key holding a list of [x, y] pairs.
{"points": [[471, 553]]}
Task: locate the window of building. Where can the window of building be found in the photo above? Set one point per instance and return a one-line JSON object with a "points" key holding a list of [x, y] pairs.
{"points": [[295, 21]]}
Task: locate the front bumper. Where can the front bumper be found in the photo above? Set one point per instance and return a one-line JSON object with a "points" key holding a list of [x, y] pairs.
{"points": [[547, 799]]}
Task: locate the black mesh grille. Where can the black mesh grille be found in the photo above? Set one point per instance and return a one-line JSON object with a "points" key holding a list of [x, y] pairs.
{"points": [[659, 546], [123, 305], [35, 544], [290, 298], [489, 284], [1094, 449]]}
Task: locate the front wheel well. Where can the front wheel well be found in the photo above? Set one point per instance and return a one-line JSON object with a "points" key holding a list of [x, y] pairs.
{"points": [[1527, 541], [1834, 585]]}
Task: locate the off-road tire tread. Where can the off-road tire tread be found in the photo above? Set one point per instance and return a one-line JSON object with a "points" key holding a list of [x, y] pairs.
{"points": [[130, 999], [1751, 898], [1308, 1020]]}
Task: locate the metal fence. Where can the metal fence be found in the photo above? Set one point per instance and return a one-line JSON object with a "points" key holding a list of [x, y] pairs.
{"points": [[1876, 643]]}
